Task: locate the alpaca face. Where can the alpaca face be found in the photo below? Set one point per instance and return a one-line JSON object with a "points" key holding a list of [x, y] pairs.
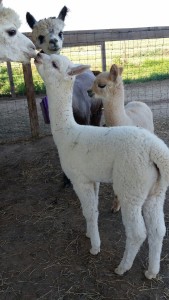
{"points": [[57, 68], [15, 46], [47, 34], [53, 68], [106, 83]]}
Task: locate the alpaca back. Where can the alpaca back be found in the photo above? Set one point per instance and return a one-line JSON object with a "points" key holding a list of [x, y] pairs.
{"points": [[87, 110], [140, 114]]}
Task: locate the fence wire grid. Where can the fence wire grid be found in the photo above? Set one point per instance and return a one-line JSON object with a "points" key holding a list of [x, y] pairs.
{"points": [[146, 78]]}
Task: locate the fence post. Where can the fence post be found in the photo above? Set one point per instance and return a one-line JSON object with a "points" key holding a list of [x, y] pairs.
{"points": [[33, 115], [11, 82], [103, 55]]}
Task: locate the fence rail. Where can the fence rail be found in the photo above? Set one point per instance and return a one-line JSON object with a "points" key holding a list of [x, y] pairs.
{"points": [[100, 37], [96, 37]]}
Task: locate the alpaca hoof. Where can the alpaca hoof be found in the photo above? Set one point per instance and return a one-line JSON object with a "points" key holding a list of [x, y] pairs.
{"points": [[116, 206], [94, 251], [119, 271], [115, 209], [149, 275]]}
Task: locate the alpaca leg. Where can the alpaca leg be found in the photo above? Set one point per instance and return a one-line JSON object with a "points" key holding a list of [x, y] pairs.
{"points": [[96, 190], [135, 235], [154, 220], [88, 195]]}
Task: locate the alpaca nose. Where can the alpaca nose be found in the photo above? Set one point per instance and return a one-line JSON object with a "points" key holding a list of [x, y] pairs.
{"points": [[53, 41], [90, 93]]}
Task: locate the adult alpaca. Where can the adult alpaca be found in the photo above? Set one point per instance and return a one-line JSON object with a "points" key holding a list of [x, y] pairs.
{"points": [[15, 46], [134, 160], [109, 86], [47, 34]]}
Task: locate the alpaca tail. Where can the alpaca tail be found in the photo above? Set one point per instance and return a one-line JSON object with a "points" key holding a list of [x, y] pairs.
{"points": [[159, 154]]}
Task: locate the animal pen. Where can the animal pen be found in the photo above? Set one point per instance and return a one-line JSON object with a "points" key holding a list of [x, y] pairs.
{"points": [[44, 251], [143, 52]]}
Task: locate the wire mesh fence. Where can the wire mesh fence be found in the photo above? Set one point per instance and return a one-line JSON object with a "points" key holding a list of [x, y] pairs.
{"points": [[144, 55]]}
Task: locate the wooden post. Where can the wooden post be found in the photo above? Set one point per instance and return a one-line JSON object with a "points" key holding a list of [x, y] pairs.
{"points": [[11, 82], [33, 115], [103, 54]]}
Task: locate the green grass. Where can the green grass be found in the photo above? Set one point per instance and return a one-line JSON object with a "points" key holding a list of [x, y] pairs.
{"points": [[142, 60], [18, 79]]}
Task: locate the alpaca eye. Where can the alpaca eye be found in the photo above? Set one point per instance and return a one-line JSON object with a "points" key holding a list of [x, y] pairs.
{"points": [[11, 32], [102, 86], [61, 34], [54, 65], [41, 38]]}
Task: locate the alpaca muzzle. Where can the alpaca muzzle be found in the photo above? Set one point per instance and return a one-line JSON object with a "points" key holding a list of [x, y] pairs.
{"points": [[38, 58]]}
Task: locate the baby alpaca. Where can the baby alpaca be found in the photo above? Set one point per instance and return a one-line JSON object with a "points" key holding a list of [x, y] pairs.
{"points": [[109, 86], [15, 46], [134, 160]]}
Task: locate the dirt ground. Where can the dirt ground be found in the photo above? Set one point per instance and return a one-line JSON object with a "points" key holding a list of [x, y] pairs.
{"points": [[44, 252]]}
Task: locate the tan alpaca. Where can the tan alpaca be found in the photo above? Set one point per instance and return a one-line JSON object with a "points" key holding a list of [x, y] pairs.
{"points": [[109, 86]]}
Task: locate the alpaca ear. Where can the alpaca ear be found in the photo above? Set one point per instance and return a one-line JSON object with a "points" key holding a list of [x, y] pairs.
{"points": [[76, 70], [30, 20], [113, 72], [63, 13]]}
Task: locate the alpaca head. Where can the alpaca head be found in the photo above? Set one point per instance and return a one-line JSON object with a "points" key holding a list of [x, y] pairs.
{"points": [[106, 83], [57, 69], [15, 46], [47, 34]]}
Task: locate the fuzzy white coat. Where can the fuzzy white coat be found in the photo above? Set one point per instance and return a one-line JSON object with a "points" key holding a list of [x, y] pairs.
{"points": [[124, 156]]}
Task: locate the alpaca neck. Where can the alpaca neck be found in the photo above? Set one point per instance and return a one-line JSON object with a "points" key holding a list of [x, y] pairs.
{"points": [[60, 105], [114, 110]]}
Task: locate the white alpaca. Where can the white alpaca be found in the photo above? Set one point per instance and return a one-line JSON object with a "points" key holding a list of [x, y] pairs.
{"points": [[14, 46], [109, 86], [124, 156]]}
